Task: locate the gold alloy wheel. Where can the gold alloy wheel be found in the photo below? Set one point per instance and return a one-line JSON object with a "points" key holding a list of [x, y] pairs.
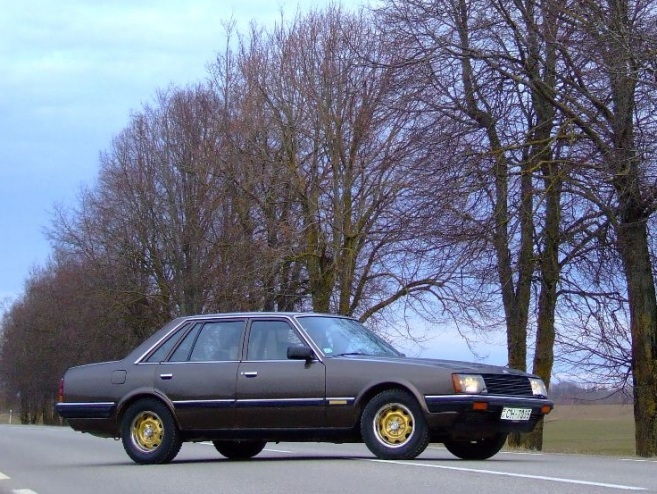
{"points": [[147, 431], [393, 425]]}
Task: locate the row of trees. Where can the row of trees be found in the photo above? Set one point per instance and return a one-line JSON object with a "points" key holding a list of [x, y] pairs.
{"points": [[489, 161], [559, 96]]}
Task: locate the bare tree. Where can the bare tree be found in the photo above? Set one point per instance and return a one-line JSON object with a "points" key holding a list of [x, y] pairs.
{"points": [[63, 319], [493, 67], [332, 142], [609, 75], [161, 208], [583, 69]]}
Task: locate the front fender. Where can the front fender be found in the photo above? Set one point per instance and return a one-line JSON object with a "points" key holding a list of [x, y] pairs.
{"points": [[375, 387]]}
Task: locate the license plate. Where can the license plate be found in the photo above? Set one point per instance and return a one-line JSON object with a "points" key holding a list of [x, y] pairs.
{"points": [[516, 413]]}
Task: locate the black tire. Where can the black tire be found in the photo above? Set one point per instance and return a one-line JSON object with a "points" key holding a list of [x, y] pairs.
{"points": [[480, 449], [149, 432], [393, 426], [239, 450]]}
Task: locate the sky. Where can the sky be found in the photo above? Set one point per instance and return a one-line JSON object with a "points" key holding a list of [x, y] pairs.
{"points": [[72, 72]]}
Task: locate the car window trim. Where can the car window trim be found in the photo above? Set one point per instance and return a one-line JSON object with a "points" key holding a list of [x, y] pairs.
{"points": [[156, 346], [295, 327], [192, 322]]}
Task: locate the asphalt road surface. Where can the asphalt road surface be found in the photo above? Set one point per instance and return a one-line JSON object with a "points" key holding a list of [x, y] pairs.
{"points": [[57, 460]]}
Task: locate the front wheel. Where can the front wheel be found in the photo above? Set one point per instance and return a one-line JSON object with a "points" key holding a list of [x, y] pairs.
{"points": [[479, 449], [149, 433], [393, 426], [239, 450]]}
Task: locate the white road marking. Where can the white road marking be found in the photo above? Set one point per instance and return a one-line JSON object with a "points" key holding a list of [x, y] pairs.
{"points": [[638, 461], [3, 476], [520, 453], [516, 475], [23, 491]]}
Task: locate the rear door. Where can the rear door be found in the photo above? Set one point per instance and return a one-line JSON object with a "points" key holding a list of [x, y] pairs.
{"points": [[199, 375], [273, 391]]}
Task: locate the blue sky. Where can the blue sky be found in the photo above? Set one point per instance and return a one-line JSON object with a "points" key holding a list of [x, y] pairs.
{"points": [[72, 72]]}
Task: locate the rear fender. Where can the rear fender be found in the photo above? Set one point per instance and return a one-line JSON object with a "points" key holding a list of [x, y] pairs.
{"points": [[139, 394]]}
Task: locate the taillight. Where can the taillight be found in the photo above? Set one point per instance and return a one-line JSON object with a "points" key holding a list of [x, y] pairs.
{"points": [[60, 394]]}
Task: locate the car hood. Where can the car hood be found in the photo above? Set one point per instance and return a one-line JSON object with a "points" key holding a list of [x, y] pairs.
{"points": [[452, 365]]}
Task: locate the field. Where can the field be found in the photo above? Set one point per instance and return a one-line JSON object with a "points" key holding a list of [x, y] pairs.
{"points": [[4, 418], [590, 429]]}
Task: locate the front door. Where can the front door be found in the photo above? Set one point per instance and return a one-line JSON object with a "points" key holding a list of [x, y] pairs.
{"points": [[273, 391]]}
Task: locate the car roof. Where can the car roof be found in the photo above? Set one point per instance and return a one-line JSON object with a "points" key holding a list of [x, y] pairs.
{"points": [[259, 314]]}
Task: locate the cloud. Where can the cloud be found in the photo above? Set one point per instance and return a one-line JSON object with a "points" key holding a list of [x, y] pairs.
{"points": [[72, 73]]}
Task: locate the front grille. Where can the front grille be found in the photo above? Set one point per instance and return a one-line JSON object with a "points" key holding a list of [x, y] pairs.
{"points": [[507, 384]]}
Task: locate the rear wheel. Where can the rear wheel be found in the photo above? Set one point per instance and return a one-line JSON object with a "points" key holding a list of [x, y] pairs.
{"points": [[149, 432], [393, 426], [239, 450], [478, 449]]}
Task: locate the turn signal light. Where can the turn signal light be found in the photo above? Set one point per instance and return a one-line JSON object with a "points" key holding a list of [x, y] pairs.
{"points": [[545, 409], [480, 406]]}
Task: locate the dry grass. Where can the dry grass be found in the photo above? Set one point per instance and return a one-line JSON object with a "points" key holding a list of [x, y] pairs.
{"points": [[590, 429], [4, 418]]}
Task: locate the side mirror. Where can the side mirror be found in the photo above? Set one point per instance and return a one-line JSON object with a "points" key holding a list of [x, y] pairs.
{"points": [[300, 353]]}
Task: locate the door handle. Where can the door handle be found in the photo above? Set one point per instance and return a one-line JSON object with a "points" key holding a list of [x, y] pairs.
{"points": [[166, 377], [249, 374]]}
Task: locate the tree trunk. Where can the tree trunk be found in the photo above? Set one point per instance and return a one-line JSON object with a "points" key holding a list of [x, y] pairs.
{"points": [[547, 301], [632, 231], [543, 69], [633, 246]]}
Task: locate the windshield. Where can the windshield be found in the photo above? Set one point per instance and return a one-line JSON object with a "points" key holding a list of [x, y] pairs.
{"points": [[337, 336]]}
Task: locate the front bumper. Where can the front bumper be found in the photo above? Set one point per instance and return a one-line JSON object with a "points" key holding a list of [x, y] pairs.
{"points": [[474, 415]]}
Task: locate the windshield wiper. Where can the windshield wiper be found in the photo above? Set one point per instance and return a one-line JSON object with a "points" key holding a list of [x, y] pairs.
{"points": [[347, 354]]}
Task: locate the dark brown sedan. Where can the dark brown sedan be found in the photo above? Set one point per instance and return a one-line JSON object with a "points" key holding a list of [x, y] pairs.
{"points": [[241, 380]]}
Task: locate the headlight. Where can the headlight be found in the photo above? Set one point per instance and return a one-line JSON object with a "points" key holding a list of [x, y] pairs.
{"points": [[538, 387], [468, 383]]}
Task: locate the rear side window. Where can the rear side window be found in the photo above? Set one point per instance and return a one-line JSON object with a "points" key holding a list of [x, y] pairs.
{"points": [[218, 341], [214, 341], [184, 349], [163, 350]]}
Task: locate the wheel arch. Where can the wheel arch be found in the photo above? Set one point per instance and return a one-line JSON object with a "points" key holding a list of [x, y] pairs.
{"points": [[374, 389], [142, 394]]}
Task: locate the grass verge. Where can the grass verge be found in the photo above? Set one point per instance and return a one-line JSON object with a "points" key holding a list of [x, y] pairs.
{"points": [[590, 429]]}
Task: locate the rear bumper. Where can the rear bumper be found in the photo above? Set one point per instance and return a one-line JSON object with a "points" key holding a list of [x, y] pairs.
{"points": [[94, 418], [85, 410]]}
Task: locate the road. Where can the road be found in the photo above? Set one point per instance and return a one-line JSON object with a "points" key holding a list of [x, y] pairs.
{"points": [[57, 460]]}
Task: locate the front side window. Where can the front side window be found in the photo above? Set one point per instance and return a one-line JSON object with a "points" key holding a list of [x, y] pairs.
{"points": [[269, 340]]}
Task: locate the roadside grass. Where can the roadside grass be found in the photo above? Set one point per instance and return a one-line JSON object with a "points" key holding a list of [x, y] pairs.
{"points": [[4, 418], [590, 429]]}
